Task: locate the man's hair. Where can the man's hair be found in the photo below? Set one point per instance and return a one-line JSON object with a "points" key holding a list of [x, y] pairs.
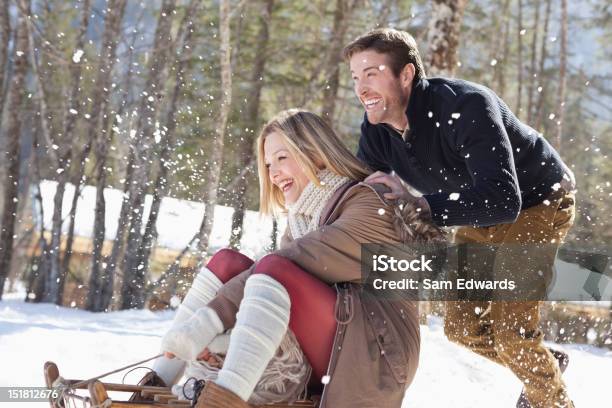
{"points": [[399, 46]]}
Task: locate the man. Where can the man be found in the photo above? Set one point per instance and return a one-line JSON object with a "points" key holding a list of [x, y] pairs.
{"points": [[478, 167]]}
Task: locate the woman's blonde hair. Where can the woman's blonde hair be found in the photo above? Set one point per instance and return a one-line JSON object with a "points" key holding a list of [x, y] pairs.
{"points": [[313, 144]]}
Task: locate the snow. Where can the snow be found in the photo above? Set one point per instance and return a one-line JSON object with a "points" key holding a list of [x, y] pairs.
{"points": [[76, 57], [85, 344], [177, 223]]}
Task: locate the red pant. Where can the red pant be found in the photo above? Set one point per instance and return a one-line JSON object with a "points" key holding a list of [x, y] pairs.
{"points": [[312, 317]]}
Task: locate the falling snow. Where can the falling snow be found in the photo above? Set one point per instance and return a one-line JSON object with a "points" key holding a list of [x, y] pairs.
{"points": [[76, 57]]}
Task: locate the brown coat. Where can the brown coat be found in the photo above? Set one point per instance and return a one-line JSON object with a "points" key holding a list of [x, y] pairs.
{"points": [[377, 342]]}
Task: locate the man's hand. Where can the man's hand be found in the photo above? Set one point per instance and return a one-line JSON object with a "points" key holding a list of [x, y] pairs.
{"points": [[398, 190]]}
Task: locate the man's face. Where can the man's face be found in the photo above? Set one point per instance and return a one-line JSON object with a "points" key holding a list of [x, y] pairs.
{"points": [[383, 95]]}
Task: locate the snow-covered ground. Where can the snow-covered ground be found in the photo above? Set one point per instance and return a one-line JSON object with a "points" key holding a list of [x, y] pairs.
{"points": [[85, 344]]}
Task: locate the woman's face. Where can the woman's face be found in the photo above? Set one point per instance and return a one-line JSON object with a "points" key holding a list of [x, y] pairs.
{"points": [[283, 169]]}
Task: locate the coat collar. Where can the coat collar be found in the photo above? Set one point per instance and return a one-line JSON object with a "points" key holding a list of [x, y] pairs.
{"points": [[416, 104], [340, 194]]}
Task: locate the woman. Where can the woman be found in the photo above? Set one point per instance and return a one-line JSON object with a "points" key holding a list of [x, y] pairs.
{"points": [[362, 349]]}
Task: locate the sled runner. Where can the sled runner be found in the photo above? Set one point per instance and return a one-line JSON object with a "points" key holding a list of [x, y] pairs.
{"points": [[66, 397]]}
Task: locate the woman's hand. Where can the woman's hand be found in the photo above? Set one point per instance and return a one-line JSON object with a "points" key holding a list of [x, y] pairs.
{"points": [[205, 355], [187, 340]]}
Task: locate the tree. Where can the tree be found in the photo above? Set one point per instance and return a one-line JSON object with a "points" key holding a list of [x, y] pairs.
{"points": [[70, 121], [443, 36], [147, 131], [500, 66], [51, 279], [539, 112], [5, 36], [562, 75], [58, 147], [342, 18], [168, 138], [98, 110], [13, 147], [216, 155], [532, 66], [519, 71], [246, 160]]}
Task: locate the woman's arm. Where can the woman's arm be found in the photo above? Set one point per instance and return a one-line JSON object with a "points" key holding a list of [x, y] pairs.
{"points": [[332, 253]]}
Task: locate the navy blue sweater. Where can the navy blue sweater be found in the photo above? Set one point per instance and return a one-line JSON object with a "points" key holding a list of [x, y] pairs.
{"points": [[473, 160]]}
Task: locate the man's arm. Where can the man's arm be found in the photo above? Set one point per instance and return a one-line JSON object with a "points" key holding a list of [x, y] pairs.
{"points": [[481, 139]]}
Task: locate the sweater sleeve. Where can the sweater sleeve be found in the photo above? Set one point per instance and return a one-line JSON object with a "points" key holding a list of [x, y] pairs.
{"points": [[369, 152], [481, 139]]}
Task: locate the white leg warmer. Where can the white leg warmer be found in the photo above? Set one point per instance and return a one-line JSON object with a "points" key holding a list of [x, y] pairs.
{"points": [[262, 321], [203, 290], [186, 340]]}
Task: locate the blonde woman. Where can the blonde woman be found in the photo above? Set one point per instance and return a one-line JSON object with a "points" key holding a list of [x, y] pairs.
{"points": [[363, 351]]}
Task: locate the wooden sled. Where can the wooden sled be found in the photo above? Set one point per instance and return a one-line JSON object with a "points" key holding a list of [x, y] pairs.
{"points": [[98, 394]]}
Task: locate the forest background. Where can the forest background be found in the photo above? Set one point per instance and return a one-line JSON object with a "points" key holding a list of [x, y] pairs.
{"points": [[166, 98]]}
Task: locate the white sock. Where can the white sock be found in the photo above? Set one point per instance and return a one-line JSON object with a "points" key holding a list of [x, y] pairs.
{"points": [[261, 323], [203, 289]]}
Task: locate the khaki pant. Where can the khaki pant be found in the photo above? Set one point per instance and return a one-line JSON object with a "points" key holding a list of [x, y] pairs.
{"points": [[508, 332]]}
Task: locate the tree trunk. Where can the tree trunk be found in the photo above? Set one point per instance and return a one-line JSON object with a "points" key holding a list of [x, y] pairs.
{"points": [[94, 298], [13, 148], [217, 149], [519, 79], [35, 282], [51, 293], [245, 153], [96, 124], [342, 16], [56, 275], [532, 66], [562, 76], [500, 67], [5, 36], [133, 285], [542, 83], [443, 36], [69, 124], [108, 276], [186, 30]]}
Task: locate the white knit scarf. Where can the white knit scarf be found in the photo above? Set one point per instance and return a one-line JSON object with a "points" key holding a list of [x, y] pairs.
{"points": [[304, 215]]}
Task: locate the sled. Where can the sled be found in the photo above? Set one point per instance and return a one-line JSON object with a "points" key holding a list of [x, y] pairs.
{"points": [[65, 397]]}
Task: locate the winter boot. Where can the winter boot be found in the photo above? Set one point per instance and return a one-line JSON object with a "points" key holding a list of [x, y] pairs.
{"points": [[563, 360], [150, 379], [214, 396]]}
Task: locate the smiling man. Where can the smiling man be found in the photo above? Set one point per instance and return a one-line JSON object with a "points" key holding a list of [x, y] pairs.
{"points": [[478, 167]]}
